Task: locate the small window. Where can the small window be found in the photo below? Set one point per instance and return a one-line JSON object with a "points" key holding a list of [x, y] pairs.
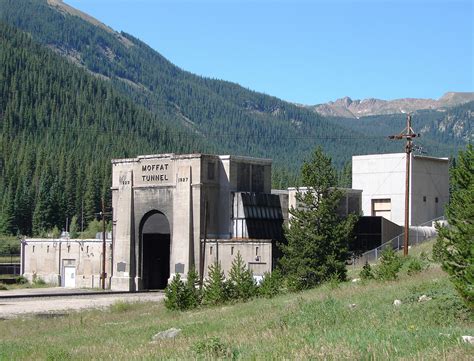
{"points": [[47, 248], [210, 250], [424, 198], [231, 251], [256, 251], [33, 249], [87, 249], [436, 199], [68, 249]]}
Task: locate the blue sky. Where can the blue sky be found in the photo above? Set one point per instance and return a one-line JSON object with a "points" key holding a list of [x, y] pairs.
{"points": [[309, 52]]}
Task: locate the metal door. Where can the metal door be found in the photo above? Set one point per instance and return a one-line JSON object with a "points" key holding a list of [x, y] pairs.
{"points": [[70, 277]]}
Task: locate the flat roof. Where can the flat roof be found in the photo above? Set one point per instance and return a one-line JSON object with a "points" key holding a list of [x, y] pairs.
{"points": [[192, 155], [390, 155]]}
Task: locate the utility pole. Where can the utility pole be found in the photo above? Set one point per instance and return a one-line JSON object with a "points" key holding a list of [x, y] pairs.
{"points": [[103, 244], [407, 134]]}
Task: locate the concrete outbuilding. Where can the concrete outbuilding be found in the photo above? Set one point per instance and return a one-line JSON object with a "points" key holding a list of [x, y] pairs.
{"points": [[382, 180]]}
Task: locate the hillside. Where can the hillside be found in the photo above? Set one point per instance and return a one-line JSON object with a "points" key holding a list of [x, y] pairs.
{"points": [[60, 126], [335, 321]]}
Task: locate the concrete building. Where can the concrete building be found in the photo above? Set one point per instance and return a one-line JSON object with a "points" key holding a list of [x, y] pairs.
{"points": [[75, 263], [170, 212], [382, 180]]}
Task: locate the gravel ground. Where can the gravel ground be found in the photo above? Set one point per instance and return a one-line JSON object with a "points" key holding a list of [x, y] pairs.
{"points": [[10, 308]]}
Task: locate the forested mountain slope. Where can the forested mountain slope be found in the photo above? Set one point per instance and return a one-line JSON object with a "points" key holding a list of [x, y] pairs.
{"points": [[59, 128]]}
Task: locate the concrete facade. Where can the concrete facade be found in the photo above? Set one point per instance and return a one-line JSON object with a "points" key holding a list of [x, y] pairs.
{"points": [[382, 179], [65, 262], [160, 205]]}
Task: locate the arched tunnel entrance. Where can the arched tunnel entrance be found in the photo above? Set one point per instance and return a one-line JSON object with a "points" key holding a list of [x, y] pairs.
{"points": [[155, 250]]}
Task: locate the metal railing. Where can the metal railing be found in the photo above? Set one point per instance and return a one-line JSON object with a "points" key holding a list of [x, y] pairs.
{"points": [[418, 235], [9, 264]]}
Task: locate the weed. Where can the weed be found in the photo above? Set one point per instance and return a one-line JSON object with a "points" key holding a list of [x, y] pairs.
{"points": [[214, 347], [120, 306], [54, 354]]}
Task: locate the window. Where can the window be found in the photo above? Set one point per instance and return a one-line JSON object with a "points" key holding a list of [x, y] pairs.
{"points": [[210, 250], [231, 251], [256, 251], [436, 199], [382, 208], [47, 248], [424, 198]]}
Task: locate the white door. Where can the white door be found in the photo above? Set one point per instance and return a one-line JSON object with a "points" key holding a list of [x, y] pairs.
{"points": [[70, 277]]}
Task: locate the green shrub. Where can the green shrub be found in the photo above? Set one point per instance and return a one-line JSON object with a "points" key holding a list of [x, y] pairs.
{"points": [[241, 283], [366, 273], [414, 266], [215, 289], [271, 284], [214, 347], [389, 266], [21, 280]]}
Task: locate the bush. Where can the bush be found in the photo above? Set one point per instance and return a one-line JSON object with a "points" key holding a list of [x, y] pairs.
{"points": [[366, 273], [215, 289], [21, 280], [214, 347], [241, 283], [414, 266], [271, 284], [389, 266]]}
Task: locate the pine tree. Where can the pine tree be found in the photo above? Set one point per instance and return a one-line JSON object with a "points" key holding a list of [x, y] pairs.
{"points": [[215, 291], [456, 241], [241, 283], [6, 214], [317, 237]]}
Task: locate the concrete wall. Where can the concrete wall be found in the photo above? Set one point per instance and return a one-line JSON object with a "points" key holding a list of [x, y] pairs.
{"points": [[46, 258], [382, 176], [429, 188], [351, 201], [257, 255]]}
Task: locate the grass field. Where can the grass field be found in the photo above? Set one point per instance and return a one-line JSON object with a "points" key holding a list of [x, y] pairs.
{"points": [[316, 324]]}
